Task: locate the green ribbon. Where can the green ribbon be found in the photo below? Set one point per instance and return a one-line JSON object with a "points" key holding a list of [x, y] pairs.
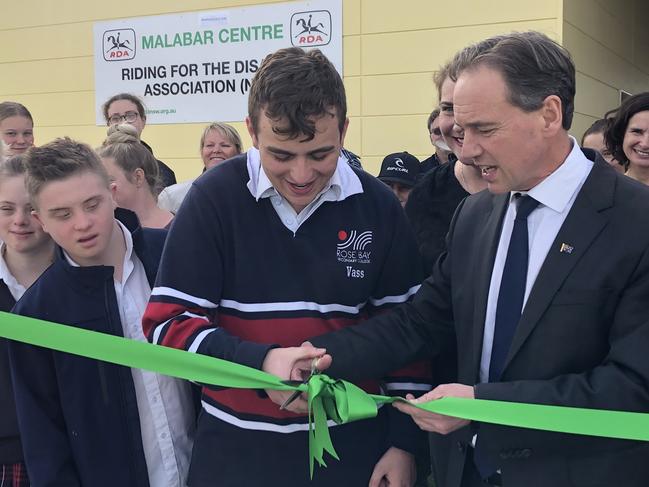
{"points": [[337, 400], [333, 399]]}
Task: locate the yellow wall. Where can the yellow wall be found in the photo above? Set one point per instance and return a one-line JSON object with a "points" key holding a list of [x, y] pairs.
{"points": [[391, 50], [609, 42]]}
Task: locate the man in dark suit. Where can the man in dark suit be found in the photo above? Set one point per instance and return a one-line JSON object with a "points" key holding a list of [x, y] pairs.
{"points": [[545, 283]]}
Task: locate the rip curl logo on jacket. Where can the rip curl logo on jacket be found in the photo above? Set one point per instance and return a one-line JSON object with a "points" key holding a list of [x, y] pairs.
{"points": [[353, 247]]}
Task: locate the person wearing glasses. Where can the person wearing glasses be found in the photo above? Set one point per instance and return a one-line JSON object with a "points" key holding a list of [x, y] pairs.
{"points": [[125, 107], [442, 150]]}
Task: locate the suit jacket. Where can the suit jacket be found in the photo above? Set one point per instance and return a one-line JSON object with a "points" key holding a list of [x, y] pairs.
{"points": [[582, 340]]}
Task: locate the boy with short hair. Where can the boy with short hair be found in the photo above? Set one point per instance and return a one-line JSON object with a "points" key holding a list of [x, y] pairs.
{"points": [[273, 247], [82, 421]]}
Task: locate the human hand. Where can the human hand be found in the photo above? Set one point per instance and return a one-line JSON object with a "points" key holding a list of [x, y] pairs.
{"points": [[285, 363], [396, 468], [436, 423], [303, 368]]}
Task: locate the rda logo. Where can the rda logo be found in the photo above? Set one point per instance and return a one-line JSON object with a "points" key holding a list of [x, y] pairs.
{"points": [[309, 29], [119, 45], [353, 247]]}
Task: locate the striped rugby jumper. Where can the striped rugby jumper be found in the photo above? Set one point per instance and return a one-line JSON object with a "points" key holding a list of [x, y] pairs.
{"points": [[234, 280]]}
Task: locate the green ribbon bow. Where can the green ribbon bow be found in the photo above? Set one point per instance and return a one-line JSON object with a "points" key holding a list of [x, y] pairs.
{"points": [[337, 400]]}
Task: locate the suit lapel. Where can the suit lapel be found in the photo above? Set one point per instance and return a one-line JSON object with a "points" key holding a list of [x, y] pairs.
{"points": [[487, 245], [582, 225]]}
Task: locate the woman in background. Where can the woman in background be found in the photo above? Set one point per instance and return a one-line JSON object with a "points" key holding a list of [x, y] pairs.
{"points": [[134, 176], [16, 128], [627, 136], [219, 142]]}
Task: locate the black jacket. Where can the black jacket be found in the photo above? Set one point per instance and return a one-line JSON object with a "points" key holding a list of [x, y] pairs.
{"points": [[430, 208], [582, 340], [428, 164], [78, 417], [10, 448], [167, 176]]}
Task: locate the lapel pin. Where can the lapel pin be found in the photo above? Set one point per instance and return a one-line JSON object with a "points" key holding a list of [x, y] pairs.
{"points": [[566, 249]]}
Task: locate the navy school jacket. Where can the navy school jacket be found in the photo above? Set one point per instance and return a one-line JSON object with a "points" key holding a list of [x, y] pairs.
{"points": [[78, 417]]}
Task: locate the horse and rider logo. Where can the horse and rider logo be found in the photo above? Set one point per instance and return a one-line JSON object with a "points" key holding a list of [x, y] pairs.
{"points": [[119, 44], [309, 29]]}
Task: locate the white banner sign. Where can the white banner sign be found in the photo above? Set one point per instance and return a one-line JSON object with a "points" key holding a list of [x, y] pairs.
{"points": [[197, 67]]}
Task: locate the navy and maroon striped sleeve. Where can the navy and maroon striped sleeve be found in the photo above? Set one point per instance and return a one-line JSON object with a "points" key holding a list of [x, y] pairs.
{"points": [[183, 308]]}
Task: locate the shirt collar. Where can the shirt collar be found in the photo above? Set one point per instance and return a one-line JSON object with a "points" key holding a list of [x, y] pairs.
{"points": [[343, 184], [15, 288], [557, 190]]}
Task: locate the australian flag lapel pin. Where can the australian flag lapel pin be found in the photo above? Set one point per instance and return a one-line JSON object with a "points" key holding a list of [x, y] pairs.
{"points": [[566, 248]]}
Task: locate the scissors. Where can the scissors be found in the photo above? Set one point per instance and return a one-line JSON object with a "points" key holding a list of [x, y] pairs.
{"points": [[296, 394]]}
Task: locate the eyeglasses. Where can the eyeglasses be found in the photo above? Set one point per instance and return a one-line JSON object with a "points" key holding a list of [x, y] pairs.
{"points": [[129, 117]]}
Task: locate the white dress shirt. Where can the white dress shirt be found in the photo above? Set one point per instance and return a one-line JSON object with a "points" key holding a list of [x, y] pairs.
{"points": [[343, 183], [556, 195], [15, 288]]}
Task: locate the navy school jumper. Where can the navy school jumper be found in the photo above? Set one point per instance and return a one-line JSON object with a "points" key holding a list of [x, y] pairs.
{"points": [[234, 281]]}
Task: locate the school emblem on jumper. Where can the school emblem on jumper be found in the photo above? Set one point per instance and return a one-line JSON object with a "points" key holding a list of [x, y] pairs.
{"points": [[119, 44], [309, 29], [353, 246]]}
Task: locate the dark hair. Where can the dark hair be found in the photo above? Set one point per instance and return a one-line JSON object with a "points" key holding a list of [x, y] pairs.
{"points": [[13, 109], [124, 96], [57, 160], [124, 146], [295, 87], [597, 127], [431, 118], [533, 67], [618, 120]]}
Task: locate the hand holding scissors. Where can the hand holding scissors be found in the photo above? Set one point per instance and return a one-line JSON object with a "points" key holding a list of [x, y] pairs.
{"points": [[296, 394]]}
